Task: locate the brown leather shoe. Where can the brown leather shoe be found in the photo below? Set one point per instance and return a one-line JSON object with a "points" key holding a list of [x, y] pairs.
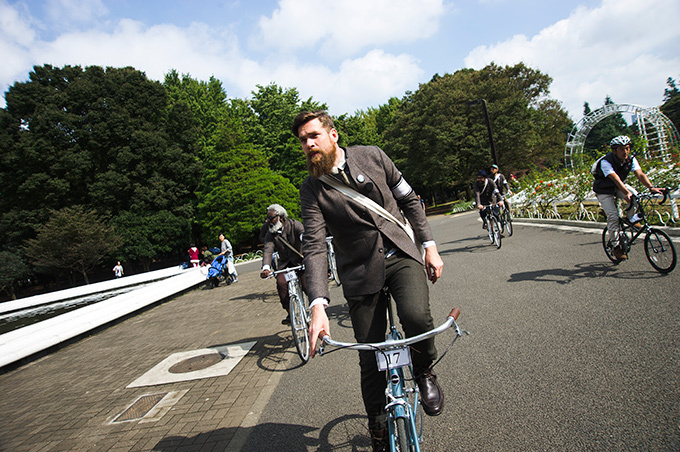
{"points": [[379, 439], [620, 254], [431, 395]]}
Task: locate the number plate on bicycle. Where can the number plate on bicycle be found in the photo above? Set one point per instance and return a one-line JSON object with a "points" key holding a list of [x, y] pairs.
{"points": [[391, 359], [290, 276]]}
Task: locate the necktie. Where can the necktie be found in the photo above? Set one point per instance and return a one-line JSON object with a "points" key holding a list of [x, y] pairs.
{"points": [[344, 177]]}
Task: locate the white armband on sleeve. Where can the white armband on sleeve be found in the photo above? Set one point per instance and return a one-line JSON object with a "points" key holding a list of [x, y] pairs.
{"points": [[266, 267], [402, 189], [319, 300]]}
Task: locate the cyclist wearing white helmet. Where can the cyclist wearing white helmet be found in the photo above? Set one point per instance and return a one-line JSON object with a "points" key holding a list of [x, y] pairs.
{"points": [[610, 174]]}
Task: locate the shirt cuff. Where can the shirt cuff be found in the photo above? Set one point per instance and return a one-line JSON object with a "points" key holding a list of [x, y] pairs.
{"points": [[428, 244], [319, 300], [266, 267]]}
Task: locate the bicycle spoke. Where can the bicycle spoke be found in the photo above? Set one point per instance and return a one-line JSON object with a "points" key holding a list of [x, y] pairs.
{"points": [[660, 251]]}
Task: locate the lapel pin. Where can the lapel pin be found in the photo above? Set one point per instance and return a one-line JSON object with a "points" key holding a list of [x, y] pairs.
{"points": [[360, 178]]}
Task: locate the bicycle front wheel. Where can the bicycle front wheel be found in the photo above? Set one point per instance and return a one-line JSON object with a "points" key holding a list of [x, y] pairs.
{"points": [[402, 439], [660, 251], [299, 321], [508, 222], [493, 225], [489, 229]]}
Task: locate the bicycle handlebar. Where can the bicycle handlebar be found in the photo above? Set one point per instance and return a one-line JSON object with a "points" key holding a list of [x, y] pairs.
{"points": [[286, 270], [664, 191], [388, 345]]}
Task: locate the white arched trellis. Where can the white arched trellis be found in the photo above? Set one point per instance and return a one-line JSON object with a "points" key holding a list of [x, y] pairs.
{"points": [[657, 130]]}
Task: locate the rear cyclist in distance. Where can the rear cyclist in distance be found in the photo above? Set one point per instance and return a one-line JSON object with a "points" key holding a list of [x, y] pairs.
{"points": [[610, 174], [486, 194], [501, 184]]}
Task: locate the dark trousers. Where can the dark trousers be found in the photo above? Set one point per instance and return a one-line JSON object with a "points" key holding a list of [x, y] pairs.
{"points": [[282, 288], [407, 283]]}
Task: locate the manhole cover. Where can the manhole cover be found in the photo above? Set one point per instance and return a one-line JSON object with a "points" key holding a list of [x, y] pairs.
{"points": [[140, 408], [196, 363]]}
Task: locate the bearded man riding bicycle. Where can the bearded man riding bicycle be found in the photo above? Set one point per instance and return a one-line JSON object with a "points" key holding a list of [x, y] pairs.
{"points": [[610, 174]]}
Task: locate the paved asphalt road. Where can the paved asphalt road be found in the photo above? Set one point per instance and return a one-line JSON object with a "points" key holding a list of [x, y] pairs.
{"points": [[566, 352]]}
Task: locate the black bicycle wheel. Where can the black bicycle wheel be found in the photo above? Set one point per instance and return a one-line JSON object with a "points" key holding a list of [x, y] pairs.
{"points": [[493, 224], [508, 222], [298, 321], [402, 439], [608, 244], [660, 251]]}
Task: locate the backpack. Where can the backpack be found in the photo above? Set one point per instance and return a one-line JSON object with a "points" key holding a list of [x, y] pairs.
{"points": [[595, 169]]}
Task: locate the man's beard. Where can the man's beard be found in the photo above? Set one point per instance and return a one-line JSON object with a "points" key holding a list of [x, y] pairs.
{"points": [[273, 228], [324, 165]]}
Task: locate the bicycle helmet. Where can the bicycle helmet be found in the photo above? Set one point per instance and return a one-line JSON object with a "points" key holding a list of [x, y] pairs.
{"points": [[621, 140]]}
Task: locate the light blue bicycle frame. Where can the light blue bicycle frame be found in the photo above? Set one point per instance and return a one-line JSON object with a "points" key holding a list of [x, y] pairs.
{"points": [[397, 397]]}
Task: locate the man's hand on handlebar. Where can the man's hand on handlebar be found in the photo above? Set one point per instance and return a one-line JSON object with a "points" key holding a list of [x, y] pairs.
{"points": [[317, 324], [265, 274]]}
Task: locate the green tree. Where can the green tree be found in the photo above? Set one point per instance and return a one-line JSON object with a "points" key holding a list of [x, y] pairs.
{"points": [[359, 129], [599, 137], [275, 109], [440, 140], [238, 190], [207, 102], [73, 239], [671, 102], [12, 270], [144, 238], [101, 138]]}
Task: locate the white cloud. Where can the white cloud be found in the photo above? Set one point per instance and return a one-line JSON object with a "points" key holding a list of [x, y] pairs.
{"points": [[344, 27], [364, 82], [625, 49], [67, 13], [16, 37], [357, 84], [353, 83]]}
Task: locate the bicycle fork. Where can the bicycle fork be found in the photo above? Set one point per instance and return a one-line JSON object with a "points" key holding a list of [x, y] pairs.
{"points": [[398, 407]]}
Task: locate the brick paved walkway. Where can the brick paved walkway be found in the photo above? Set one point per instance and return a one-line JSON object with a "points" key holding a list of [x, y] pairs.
{"points": [[68, 400]]}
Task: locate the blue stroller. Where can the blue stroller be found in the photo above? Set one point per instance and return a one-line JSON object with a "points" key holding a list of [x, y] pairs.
{"points": [[218, 272]]}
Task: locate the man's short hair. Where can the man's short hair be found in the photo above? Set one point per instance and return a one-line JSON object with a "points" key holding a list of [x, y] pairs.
{"points": [[305, 116], [278, 210]]}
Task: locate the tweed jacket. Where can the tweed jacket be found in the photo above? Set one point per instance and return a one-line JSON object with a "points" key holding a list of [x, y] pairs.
{"points": [[291, 231], [358, 232]]}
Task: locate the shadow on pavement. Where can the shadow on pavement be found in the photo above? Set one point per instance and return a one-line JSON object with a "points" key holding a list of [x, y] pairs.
{"points": [[586, 270], [345, 433]]}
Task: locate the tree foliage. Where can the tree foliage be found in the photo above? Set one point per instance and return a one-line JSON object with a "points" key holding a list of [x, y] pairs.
{"points": [[599, 137], [269, 130], [105, 139], [671, 102], [73, 239], [12, 270], [439, 140]]}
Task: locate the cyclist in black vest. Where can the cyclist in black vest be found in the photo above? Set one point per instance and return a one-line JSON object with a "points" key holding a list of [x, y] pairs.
{"points": [[610, 174]]}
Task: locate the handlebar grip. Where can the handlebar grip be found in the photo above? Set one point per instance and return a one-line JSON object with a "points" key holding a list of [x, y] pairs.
{"points": [[323, 334], [455, 312]]}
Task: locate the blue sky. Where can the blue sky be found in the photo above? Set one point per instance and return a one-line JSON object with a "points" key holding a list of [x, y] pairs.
{"points": [[355, 54]]}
